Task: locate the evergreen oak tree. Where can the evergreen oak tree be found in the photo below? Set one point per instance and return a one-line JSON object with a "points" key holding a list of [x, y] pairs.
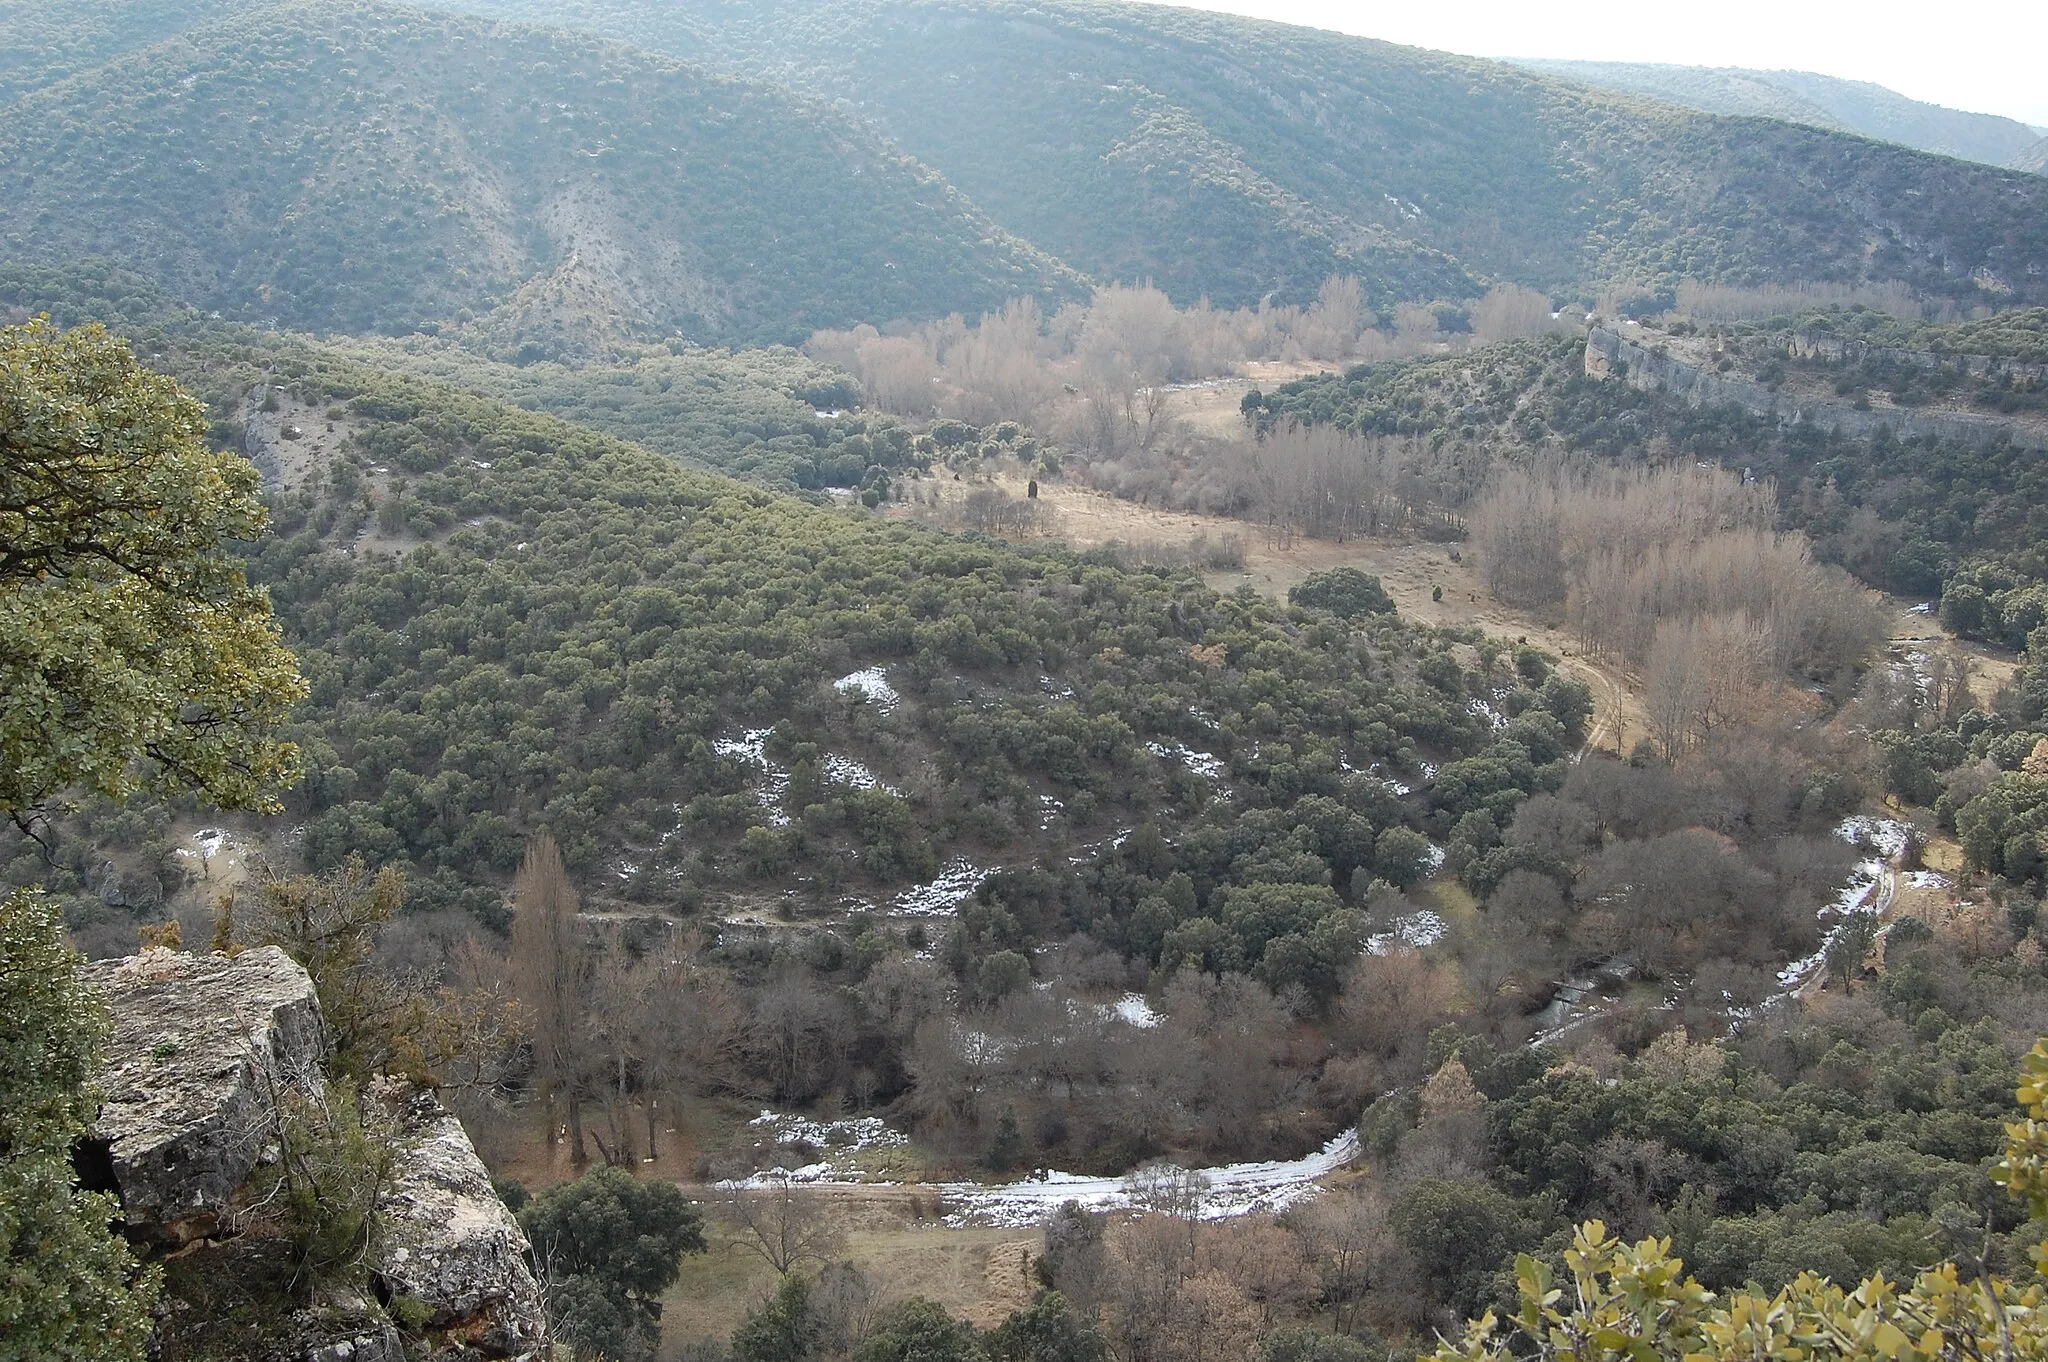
{"points": [[133, 655]]}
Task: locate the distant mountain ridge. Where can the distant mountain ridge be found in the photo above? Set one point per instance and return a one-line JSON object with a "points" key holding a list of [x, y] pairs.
{"points": [[783, 165], [366, 168], [1857, 106], [1240, 159]]}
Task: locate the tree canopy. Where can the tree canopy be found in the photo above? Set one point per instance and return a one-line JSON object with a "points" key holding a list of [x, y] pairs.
{"points": [[69, 1290], [133, 652], [610, 1244]]}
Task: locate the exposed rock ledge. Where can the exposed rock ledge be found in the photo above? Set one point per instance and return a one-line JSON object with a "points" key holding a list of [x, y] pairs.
{"points": [[203, 1050], [448, 1241]]}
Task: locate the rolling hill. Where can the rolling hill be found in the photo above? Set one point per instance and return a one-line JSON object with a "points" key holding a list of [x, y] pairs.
{"points": [[1856, 106], [1241, 160], [362, 168]]}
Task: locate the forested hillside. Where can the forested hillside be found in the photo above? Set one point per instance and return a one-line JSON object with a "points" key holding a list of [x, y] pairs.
{"points": [[1912, 515], [671, 789], [1822, 101], [1236, 159], [354, 168], [1217, 156], [606, 617]]}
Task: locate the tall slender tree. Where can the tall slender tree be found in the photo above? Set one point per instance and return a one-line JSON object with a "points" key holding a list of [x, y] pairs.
{"points": [[551, 961]]}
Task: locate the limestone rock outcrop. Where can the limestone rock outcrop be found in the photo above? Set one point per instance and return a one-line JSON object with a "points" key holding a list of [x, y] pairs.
{"points": [[203, 1050], [448, 1242]]}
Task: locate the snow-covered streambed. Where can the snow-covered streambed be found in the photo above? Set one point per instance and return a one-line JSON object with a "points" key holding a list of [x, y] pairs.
{"points": [[1232, 1189], [843, 1148]]}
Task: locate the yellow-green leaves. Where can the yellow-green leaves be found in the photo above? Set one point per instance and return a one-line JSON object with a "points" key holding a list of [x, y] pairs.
{"points": [[133, 652], [1635, 1301]]}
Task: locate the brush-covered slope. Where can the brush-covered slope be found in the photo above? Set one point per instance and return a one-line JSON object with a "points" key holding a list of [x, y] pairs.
{"points": [[43, 41], [1866, 471], [712, 694], [1857, 106], [367, 168], [1235, 158]]}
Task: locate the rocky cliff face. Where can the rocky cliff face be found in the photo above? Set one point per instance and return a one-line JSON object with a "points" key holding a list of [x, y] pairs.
{"points": [[206, 1050], [1611, 354], [447, 1241]]}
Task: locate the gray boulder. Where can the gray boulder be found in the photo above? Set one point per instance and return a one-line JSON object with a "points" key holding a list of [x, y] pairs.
{"points": [[446, 1240], [204, 1049]]}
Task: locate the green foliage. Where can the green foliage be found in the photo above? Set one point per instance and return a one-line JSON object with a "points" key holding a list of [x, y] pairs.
{"points": [[1343, 591], [1809, 1165], [2001, 829], [138, 656], [329, 924], [919, 1330], [609, 1245], [1636, 1302], [338, 1153], [1048, 1330], [69, 1289], [1006, 1147], [402, 164], [1459, 1234], [752, 413], [613, 618], [782, 1329]]}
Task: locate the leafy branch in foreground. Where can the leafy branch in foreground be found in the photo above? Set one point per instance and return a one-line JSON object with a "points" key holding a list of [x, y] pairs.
{"points": [[135, 653], [1636, 1302]]}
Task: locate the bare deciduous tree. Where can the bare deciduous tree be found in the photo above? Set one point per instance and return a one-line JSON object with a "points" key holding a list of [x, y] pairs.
{"points": [[551, 964], [779, 1221]]}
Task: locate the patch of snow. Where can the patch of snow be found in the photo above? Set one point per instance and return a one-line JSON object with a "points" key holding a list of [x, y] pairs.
{"points": [[1887, 835], [751, 747], [1418, 929], [955, 884], [846, 771], [1048, 809], [1861, 896], [1135, 1011], [1231, 1190], [871, 682], [1484, 709], [1929, 879], [1205, 764], [208, 843]]}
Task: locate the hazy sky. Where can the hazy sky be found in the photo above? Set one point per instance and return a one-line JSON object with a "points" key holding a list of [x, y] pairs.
{"points": [[1990, 56]]}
